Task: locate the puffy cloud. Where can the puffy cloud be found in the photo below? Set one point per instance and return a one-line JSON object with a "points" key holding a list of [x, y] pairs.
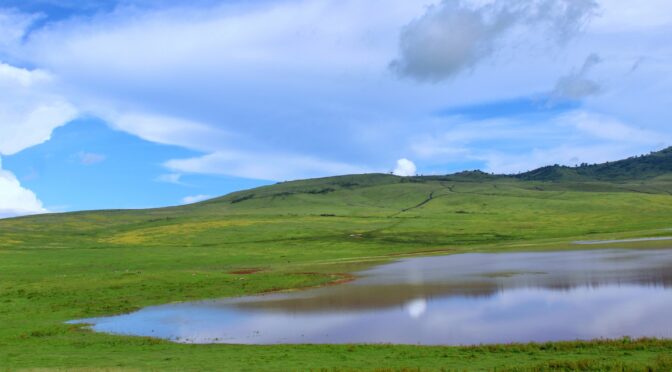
{"points": [[28, 115], [577, 85], [28, 111], [242, 88], [405, 168], [16, 200], [447, 40], [455, 35], [243, 97], [416, 308], [195, 199]]}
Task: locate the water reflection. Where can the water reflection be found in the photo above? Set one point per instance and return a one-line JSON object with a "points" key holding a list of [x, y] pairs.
{"points": [[459, 299]]}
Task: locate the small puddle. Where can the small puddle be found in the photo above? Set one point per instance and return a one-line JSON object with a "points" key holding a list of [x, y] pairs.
{"points": [[445, 300]]}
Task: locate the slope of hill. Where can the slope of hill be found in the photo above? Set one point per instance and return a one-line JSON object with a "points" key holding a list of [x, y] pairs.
{"points": [[644, 167], [650, 173]]}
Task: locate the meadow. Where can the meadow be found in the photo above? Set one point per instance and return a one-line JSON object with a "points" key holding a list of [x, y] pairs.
{"points": [[293, 235]]}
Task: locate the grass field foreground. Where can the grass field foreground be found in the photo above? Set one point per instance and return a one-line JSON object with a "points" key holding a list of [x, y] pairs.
{"points": [[55, 268]]}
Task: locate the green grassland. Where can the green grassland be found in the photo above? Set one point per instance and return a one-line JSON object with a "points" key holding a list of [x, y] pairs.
{"points": [[292, 235]]}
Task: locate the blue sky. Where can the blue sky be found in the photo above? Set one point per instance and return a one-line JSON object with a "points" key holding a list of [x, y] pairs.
{"points": [[111, 169], [143, 103]]}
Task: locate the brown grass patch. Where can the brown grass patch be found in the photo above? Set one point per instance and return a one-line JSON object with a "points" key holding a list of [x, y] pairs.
{"points": [[245, 271]]}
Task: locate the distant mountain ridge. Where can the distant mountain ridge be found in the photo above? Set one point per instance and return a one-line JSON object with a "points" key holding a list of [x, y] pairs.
{"points": [[641, 167], [651, 174]]}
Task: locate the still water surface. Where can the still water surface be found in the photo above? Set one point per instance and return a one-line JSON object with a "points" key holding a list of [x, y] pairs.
{"points": [[449, 300]]}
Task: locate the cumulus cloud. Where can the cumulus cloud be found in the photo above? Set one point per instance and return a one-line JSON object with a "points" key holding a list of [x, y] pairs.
{"points": [[405, 168], [29, 112], [195, 198], [29, 108], [577, 85], [16, 200], [242, 97], [239, 90], [455, 35], [416, 308]]}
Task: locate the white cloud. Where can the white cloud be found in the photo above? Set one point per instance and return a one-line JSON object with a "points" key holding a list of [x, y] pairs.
{"points": [[28, 115], [13, 26], [466, 137], [566, 138], [297, 88], [456, 35], [28, 111], [16, 200], [241, 89], [569, 155], [170, 130], [621, 16], [603, 127], [416, 308], [195, 199], [174, 178], [405, 168], [271, 166]]}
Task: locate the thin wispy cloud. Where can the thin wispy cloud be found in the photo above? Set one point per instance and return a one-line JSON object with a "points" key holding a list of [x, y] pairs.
{"points": [[195, 199], [90, 158], [174, 178], [577, 84]]}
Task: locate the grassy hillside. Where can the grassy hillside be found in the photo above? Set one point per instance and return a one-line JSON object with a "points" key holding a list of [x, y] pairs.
{"points": [[58, 267], [644, 167]]}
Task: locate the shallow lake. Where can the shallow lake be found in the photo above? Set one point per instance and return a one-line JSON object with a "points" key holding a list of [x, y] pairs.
{"points": [[449, 300]]}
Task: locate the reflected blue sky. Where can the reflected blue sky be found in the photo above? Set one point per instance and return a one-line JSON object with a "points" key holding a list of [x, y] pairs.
{"points": [[460, 300]]}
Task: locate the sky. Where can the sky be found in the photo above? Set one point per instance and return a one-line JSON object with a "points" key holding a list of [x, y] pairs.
{"points": [[148, 103]]}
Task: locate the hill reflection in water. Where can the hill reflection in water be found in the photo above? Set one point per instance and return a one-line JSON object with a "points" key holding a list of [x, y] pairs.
{"points": [[458, 299]]}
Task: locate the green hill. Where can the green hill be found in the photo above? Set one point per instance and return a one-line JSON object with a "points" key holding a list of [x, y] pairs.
{"points": [[58, 267], [413, 205], [625, 175], [644, 167]]}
